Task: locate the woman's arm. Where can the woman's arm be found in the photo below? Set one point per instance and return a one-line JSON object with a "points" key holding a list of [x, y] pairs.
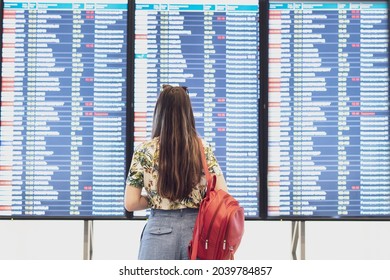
{"points": [[134, 200], [221, 183]]}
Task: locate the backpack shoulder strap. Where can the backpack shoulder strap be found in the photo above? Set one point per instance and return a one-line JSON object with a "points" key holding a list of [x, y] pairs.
{"points": [[211, 180]]}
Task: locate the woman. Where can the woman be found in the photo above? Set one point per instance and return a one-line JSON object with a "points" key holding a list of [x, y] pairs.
{"points": [[169, 167]]}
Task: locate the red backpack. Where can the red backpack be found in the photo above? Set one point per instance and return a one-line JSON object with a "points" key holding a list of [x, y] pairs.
{"points": [[219, 225]]}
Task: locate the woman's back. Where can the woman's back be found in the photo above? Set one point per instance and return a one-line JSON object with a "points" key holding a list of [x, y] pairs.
{"points": [[144, 173]]}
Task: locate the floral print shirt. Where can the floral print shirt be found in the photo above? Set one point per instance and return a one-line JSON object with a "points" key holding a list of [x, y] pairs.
{"points": [[143, 174]]}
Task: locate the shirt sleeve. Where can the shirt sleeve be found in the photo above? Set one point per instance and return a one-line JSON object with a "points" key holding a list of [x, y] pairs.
{"points": [[135, 176], [212, 162]]}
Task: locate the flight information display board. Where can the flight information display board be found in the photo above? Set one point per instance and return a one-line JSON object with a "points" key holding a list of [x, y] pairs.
{"points": [[212, 48], [328, 106], [63, 108]]}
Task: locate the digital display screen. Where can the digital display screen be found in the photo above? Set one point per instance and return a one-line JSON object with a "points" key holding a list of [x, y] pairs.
{"points": [[63, 108], [64, 130], [328, 109], [212, 48]]}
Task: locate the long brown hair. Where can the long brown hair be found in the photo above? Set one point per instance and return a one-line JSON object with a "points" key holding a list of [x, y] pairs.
{"points": [[180, 166]]}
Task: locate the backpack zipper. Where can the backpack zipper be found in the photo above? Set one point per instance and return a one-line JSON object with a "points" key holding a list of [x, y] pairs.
{"points": [[226, 235], [212, 221], [231, 248]]}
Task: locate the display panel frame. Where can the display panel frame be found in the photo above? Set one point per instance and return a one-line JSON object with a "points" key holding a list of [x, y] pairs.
{"points": [[260, 10], [262, 119], [265, 104], [126, 118]]}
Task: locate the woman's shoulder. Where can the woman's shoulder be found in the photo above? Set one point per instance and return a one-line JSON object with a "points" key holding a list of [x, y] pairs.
{"points": [[205, 144], [208, 148], [150, 145]]}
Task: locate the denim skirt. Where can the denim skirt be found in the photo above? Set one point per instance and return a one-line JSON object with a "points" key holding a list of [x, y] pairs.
{"points": [[167, 234]]}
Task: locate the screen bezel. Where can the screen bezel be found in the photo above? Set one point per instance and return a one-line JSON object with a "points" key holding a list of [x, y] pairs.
{"points": [[264, 184], [129, 141], [262, 118]]}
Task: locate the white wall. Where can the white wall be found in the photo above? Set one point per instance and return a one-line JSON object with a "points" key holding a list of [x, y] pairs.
{"points": [[348, 240], [119, 240], [37, 240]]}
